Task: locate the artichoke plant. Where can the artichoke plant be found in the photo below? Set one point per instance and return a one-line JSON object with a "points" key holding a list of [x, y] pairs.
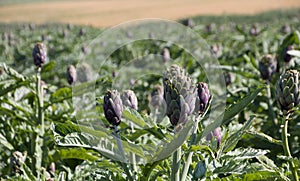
{"points": [[39, 54], [267, 66], [129, 99], [165, 53], [287, 57], [287, 90], [157, 96], [203, 97], [113, 107], [217, 134], [179, 94], [71, 74]]}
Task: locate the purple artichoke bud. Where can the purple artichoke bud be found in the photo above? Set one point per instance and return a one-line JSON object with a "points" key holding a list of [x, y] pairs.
{"points": [[165, 53], [4, 36], [189, 23], [254, 30], [217, 134], [287, 90], [157, 98], [71, 74], [16, 160], [84, 73], [267, 66], [203, 97], [200, 170], [45, 37], [129, 99], [65, 33], [287, 57], [229, 78], [285, 29], [210, 28], [31, 26], [217, 50], [70, 26], [179, 95], [82, 32], [113, 107], [84, 49], [10, 36], [39, 54]]}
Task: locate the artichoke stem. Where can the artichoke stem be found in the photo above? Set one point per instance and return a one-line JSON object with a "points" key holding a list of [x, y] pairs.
{"points": [[39, 141], [285, 145], [176, 165], [270, 107], [121, 150], [190, 155]]}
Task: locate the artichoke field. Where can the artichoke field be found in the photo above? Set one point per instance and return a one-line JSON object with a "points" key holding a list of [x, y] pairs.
{"points": [[65, 116]]}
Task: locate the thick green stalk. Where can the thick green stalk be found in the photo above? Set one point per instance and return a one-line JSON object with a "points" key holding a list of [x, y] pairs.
{"points": [[175, 175], [39, 139], [190, 155], [285, 145], [270, 107], [121, 150]]}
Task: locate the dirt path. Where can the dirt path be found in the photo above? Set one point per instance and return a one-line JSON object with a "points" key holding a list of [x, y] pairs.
{"points": [[103, 13]]}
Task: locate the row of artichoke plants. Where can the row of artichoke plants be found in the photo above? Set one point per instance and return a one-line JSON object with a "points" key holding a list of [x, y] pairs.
{"points": [[186, 103]]}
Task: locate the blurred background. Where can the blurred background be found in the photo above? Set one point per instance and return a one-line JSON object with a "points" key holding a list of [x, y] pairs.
{"points": [[104, 13]]}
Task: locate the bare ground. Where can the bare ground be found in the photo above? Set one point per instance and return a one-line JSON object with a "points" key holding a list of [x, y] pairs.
{"points": [[104, 13]]}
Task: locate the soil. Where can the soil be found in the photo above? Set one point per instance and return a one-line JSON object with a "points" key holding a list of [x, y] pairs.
{"points": [[105, 13]]}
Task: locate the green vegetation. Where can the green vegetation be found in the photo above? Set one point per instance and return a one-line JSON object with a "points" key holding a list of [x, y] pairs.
{"points": [[45, 136]]}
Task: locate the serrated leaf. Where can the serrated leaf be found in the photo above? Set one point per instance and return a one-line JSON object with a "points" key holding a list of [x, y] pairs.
{"points": [[133, 116], [75, 153], [61, 95], [5, 143], [231, 142]]}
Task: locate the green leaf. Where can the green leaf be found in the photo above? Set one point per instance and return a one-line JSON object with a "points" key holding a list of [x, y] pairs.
{"points": [[4, 142], [231, 142], [133, 116], [264, 137], [244, 153], [75, 153], [240, 106], [60, 95]]}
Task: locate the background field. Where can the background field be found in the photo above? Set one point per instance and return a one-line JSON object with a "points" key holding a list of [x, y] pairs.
{"points": [[105, 13]]}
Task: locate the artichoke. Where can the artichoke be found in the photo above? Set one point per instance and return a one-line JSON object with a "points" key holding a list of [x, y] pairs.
{"points": [[129, 99], [287, 90], [17, 159], [203, 97], [217, 134], [71, 74], [165, 53], [84, 72], [179, 94], [287, 57], [157, 96], [113, 107], [267, 66], [39, 54]]}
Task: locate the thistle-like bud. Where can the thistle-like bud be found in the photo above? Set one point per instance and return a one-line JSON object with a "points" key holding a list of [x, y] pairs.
{"points": [[82, 32], [4, 36], [84, 49], [16, 160], [165, 53], [39, 54], [287, 90], [200, 170], [189, 23], [216, 50], [179, 94], [113, 107], [267, 66], [217, 134], [287, 57], [203, 97], [210, 28], [129, 99], [157, 96], [229, 78], [254, 30], [84, 72], [285, 29], [71, 74]]}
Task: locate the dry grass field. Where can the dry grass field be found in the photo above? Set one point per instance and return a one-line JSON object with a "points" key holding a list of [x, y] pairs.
{"points": [[103, 13]]}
